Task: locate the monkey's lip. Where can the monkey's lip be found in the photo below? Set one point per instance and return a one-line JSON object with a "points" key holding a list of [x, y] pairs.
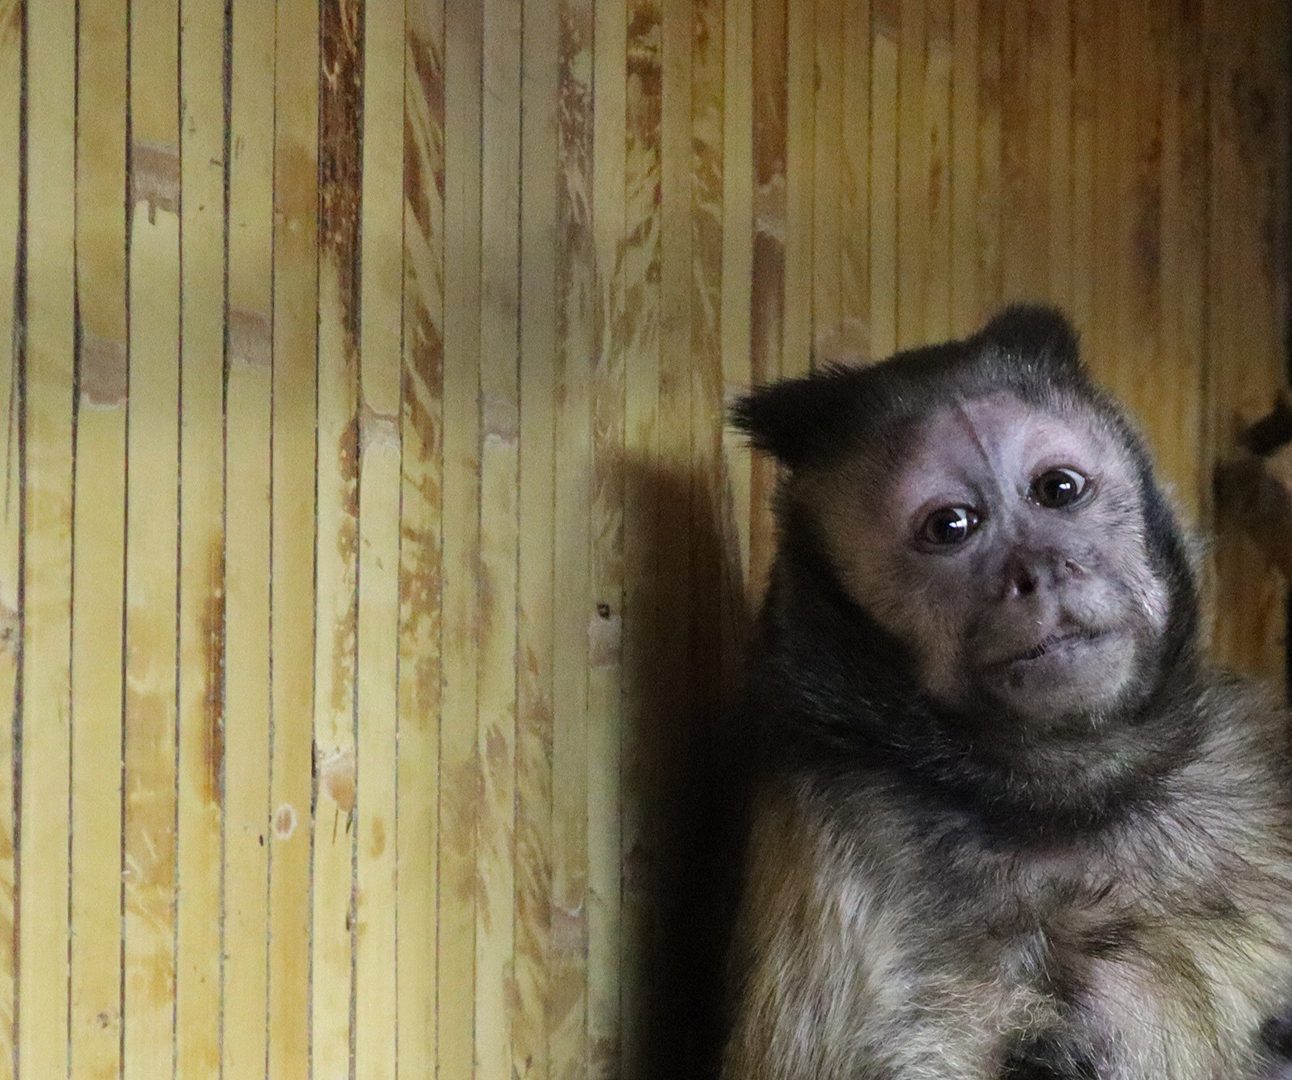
{"points": [[1060, 641]]}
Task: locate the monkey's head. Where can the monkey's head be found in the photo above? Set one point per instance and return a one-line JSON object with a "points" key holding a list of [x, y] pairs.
{"points": [[995, 517]]}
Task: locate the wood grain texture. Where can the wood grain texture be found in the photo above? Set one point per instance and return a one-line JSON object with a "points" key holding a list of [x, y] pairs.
{"points": [[375, 562], [377, 683], [200, 699], [99, 544], [47, 307], [421, 582], [292, 527], [152, 482], [11, 165]]}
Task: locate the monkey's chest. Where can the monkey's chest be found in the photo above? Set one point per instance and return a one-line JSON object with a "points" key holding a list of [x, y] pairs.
{"points": [[1106, 966]]}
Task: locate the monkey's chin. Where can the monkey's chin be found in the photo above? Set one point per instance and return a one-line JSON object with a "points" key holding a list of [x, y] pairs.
{"points": [[1070, 675]]}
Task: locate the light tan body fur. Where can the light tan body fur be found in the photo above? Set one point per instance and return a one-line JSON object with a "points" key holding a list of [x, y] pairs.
{"points": [[882, 943]]}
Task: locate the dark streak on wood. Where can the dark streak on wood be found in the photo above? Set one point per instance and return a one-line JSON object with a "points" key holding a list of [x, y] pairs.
{"points": [[212, 631], [341, 151]]}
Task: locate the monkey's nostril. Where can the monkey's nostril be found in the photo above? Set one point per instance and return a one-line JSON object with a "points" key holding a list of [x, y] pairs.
{"points": [[1074, 568]]}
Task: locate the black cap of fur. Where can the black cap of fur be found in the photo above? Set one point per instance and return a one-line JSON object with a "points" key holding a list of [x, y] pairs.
{"points": [[804, 420]]}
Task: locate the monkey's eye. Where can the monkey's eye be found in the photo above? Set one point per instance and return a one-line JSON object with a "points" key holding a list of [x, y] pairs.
{"points": [[949, 525], [1056, 488]]}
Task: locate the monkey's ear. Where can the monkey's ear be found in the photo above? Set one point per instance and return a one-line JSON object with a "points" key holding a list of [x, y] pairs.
{"points": [[1036, 332], [797, 420]]}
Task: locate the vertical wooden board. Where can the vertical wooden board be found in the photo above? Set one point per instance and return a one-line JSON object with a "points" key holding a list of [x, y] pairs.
{"points": [[293, 538], [989, 202], [575, 342], [1247, 289], [736, 271], [855, 211], [767, 272], [98, 537], [459, 764], [1035, 213], [641, 340], [964, 167], [1184, 247], [1139, 219], [885, 34], [47, 495], [496, 636], [11, 154], [938, 166], [1020, 261], [1165, 405], [605, 674], [421, 581], [716, 600], [201, 566], [1101, 342], [799, 137], [148, 854], [670, 701], [340, 98], [1185, 217], [829, 178], [248, 464], [1085, 79], [499, 539], [1058, 71], [912, 182], [381, 232]]}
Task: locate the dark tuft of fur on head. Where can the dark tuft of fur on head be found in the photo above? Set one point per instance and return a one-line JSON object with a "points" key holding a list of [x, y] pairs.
{"points": [[1034, 332]]}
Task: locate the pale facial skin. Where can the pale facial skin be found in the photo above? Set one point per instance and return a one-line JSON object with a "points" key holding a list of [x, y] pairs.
{"points": [[1008, 553]]}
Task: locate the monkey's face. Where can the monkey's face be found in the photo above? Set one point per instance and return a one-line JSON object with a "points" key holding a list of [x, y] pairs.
{"points": [[1008, 552]]}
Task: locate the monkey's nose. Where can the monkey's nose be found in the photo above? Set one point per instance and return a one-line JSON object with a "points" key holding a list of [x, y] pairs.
{"points": [[1021, 579]]}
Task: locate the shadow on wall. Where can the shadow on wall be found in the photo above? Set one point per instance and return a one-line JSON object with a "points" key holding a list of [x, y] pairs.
{"points": [[685, 767]]}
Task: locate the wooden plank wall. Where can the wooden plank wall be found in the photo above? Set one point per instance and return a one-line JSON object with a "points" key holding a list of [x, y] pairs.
{"points": [[374, 563]]}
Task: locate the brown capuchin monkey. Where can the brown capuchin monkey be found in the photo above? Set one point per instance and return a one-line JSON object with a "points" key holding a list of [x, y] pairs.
{"points": [[1009, 822]]}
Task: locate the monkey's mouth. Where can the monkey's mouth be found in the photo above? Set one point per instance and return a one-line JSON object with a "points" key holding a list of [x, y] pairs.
{"points": [[1058, 643]]}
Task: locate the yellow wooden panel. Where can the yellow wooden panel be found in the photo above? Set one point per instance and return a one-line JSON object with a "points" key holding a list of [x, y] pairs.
{"points": [[575, 343], [46, 368], [200, 781], [11, 507], [248, 425], [98, 558], [829, 178], [606, 571], [883, 176], [798, 144], [421, 582], [381, 229], [292, 616], [499, 474], [736, 172], [148, 846], [336, 555], [912, 181], [641, 341], [936, 318], [963, 166], [459, 783]]}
